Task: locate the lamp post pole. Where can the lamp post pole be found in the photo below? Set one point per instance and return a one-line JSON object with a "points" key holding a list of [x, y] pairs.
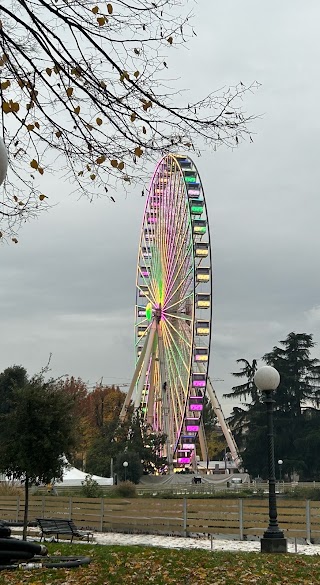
{"points": [[125, 465], [267, 379], [280, 462]]}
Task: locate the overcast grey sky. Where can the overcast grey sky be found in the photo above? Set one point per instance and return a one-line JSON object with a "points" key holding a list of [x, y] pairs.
{"points": [[69, 286]]}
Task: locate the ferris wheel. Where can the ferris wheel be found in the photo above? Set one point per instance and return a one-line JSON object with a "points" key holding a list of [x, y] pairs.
{"points": [[173, 309]]}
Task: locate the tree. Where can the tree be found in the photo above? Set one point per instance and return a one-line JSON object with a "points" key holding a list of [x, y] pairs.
{"points": [[296, 414], [10, 378], [35, 434], [85, 88]]}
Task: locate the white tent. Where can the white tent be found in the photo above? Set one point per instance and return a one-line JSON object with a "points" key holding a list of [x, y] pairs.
{"points": [[74, 477]]}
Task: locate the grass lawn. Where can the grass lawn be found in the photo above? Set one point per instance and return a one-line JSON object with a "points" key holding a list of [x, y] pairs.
{"points": [[126, 565]]}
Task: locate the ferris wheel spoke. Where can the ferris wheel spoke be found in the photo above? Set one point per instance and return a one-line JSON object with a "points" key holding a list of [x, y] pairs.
{"points": [[181, 243], [179, 262], [180, 301], [174, 373], [190, 272], [187, 366]]}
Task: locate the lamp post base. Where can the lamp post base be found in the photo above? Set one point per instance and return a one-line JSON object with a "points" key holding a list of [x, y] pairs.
{"points": [[274, 545]]}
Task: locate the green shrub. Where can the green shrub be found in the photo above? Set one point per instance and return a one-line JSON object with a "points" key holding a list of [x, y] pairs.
{"points": [[90, 488], [125, 489]]}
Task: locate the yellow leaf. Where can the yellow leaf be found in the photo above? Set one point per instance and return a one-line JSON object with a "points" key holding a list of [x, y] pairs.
{"points": [[34, 164], [95, 9], [6, 107], [114, 163], [109, 8], [100, 159], [99, 121], [5, 84], [30, 127], [101, 20], [77, 110], [15, 107], [69, 91], [121, 166], [42, 197], [58, 134], [92, 177], [49, 71], [138, 151]]}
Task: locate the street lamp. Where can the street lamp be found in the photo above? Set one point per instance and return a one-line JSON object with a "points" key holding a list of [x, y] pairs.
{"points": [[125, 465], [267, 380], [280, 462], [3, 162]]}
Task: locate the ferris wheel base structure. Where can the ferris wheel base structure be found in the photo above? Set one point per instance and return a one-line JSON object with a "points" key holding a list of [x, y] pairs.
{"points": [[173, 314]]}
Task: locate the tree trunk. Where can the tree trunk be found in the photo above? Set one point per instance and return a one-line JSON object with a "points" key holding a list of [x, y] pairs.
{"points": [[26, 508]]}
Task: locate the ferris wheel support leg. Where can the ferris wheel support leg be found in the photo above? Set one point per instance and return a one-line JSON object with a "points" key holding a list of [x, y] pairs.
{"points": [[203, 442], [134, 379], [152, 385], [224, 426], [144, 368]]}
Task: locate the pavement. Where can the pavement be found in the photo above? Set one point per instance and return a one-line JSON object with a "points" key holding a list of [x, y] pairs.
{"points": [[176, 542], [114, 538]]}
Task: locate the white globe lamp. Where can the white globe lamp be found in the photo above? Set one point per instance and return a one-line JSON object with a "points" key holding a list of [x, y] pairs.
{"points": [[267, 379]]}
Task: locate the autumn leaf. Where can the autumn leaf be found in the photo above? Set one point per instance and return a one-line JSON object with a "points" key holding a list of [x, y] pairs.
{"points": [[133, 116], [99, 121], [170, 40], [34, 164], [69, 92], [92, 177], [77, 110], [49, 71], [138, 151], [30, 127], [42, 197], [136, 74], [100, 159], [121, 166], [40, 170], [114, 163], [95, 10], [5, 84], [14, 240], [58, 134], [101, 20], [109, 8]]}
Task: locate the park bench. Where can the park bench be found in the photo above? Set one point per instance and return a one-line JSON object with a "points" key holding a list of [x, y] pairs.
{"points": [[56, 526]]}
